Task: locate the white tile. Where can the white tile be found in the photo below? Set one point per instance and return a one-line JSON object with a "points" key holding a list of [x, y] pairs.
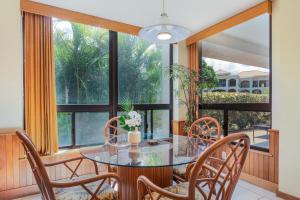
{"points": [[271, 198], [256, 189], [241, 193], [33, 197]]}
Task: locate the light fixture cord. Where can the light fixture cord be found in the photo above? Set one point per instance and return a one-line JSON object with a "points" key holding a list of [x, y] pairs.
{"points": [[163, 14]]}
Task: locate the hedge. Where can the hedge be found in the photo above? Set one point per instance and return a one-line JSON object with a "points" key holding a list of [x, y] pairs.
{"points": [[238, 120], [233, 97]]}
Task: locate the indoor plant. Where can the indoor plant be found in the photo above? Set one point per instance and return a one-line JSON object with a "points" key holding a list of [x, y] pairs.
{"points": [[130, 121]]}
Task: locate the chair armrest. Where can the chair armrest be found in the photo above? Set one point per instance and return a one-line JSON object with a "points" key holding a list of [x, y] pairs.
{"points": [[145, 186], [205, 167], [50, 164], [189, 170], [73, 171], [86, 181]]}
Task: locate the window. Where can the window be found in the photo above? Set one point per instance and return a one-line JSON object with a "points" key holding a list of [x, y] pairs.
{"points": [[245, 84], [141, 71], [222, 83], [263, 83], [89, 63], [246, 65], [255, 84], [232, 83], [81, 63], [254, 124]]}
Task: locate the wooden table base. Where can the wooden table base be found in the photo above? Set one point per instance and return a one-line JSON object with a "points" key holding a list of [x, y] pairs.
{"points": [[161, 176]]}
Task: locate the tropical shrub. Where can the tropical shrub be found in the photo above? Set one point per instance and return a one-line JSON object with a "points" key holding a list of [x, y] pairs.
{"points": [[238, 120], [233, 97]]}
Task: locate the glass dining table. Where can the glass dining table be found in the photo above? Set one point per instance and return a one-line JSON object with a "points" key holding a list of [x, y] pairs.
{"points": [[153, 158]]}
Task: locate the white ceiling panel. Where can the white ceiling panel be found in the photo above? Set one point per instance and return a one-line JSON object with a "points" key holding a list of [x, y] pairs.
{"points": [[193, 14]]}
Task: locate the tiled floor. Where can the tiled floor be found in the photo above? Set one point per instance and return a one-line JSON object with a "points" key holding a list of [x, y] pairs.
{"points": [[243, 191]]}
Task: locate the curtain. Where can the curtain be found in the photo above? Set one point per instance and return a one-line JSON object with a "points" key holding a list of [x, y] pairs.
{"points": [[39, 83], [194, 66]]}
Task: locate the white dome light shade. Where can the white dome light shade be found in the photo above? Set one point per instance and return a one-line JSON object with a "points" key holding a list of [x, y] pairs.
{"points": [[164, 33], [164, 36]]}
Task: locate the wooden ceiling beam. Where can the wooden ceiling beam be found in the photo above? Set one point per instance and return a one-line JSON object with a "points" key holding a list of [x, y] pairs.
{"points": [[65, 14], [262, 8]]}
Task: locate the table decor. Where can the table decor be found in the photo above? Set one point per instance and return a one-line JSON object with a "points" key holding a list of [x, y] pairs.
{"points": [[130, 121]]}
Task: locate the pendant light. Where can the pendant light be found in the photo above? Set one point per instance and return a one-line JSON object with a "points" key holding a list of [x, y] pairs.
{"points": [[164, 32]]}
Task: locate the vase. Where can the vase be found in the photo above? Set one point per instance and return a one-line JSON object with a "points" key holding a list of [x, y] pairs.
{"points": [[134, 137]]}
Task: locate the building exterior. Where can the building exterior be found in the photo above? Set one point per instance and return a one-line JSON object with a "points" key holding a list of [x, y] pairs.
{"points": [[254, 81]]}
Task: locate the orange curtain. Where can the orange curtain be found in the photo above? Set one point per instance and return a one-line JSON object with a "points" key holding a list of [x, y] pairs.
{"points": [[194, 66], [40, 98]]}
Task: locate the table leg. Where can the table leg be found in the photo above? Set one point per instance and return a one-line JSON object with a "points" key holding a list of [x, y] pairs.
{"points": [[161, 176]]}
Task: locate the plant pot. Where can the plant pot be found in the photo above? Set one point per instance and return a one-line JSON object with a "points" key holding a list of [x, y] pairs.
{"points": [[134, 137]]}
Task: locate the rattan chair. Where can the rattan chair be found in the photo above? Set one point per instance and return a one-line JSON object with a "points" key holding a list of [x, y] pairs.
{"points": [[206, 179], [208, 131], [76, 187], [111, 130]]}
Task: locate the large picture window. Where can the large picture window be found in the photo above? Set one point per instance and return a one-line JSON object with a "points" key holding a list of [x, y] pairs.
{"points": [[95, 70], [240, 59]]}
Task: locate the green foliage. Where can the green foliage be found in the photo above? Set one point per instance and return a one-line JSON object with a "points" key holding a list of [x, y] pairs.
{"points": [[208, 76], [189, 82], [140, 70], [238, 120], [233, 97], [82, 66], [126, 107]]}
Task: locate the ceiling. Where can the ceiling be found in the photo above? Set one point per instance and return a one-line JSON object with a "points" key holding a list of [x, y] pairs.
{"points": [[254, 31], [195, 15]]}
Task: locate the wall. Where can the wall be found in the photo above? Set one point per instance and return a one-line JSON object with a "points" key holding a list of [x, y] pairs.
{"points": [[180, 56], [11, 104], [286, 87]]}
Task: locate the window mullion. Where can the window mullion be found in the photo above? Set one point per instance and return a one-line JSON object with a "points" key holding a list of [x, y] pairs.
{"points": [[113, 73]]}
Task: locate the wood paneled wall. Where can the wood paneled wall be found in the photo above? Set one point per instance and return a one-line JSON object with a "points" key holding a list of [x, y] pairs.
{"points": [[262, 164], [16, 178]]}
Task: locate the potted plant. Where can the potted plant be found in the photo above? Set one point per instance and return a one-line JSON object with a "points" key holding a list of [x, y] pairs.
{"points": [[191, 83], [130, 121]]}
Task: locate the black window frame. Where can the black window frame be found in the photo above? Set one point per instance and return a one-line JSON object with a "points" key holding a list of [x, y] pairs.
{"points": [[113, 107], [254, 107], [222, 82], [231, 81]]}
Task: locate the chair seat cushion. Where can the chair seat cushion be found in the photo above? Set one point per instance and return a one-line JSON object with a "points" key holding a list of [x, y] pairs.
{"points": [[181, 188], [180, 170], [79, 193]]}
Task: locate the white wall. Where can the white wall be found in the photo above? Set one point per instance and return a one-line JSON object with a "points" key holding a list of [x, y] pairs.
{"points": [[180, 56], [11, 104], [286, 88]]}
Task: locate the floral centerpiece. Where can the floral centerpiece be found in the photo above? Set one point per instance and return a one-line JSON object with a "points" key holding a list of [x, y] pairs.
{"points": [[130, 121]]}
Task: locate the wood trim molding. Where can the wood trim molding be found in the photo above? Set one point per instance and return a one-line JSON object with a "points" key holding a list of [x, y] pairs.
{"points": [[262, 8], [286, 196], [259, 182], [19, 192], [52, 11], [178, 127], [8, 130]]}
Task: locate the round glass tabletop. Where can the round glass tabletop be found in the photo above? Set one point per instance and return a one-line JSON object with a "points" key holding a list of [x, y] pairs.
{"points": [[164, 151]]}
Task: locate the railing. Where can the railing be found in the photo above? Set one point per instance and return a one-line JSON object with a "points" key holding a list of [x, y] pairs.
{"points": [[225, 109], [147, 112]]}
